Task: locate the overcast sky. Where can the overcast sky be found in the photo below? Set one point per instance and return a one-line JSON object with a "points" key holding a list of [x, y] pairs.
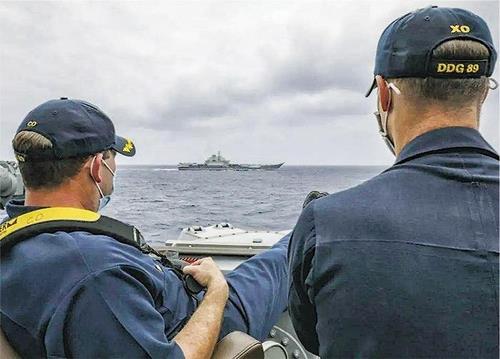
{"points": [[261, 81]]}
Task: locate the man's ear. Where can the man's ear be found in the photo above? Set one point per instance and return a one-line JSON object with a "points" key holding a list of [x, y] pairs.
{"points": [[95, 167], [383, 93]]}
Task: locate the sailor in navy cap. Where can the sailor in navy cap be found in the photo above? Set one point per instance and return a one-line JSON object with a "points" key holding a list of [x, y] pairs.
{"points": [[55, 140], [78, 284], [405, 265]]}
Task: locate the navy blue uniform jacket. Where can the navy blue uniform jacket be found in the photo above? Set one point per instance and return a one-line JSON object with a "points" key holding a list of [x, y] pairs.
{"points": [[405, 264], [79, 295]]}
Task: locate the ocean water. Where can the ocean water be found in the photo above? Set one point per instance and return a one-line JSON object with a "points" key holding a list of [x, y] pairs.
{"points": [[160, 200]]}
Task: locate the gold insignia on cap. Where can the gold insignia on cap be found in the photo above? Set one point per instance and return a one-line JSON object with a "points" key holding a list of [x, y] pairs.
{"points": [[32, 124], [129, 146], [20, 158]]}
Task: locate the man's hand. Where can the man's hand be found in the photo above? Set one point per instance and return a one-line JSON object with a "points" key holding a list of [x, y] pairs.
{"points": [[206, 272], [197, 339], [312, 196]]}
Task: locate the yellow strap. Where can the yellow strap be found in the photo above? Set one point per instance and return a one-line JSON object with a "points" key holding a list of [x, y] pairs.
{"points": [[47, 215]]}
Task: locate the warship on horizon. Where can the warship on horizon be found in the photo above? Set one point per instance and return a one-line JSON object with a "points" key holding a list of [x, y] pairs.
{"points": [[219, 163]]}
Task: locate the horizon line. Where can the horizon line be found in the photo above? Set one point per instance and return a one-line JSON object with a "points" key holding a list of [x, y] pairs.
{"points": [[285, 165]]}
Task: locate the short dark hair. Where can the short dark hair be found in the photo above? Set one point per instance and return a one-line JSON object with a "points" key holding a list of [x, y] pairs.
{"points": [[46, 174], [449, 92]]}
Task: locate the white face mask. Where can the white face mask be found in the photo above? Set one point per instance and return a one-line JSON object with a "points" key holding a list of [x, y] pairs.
{"points": [[382, 120], [103, 199]]}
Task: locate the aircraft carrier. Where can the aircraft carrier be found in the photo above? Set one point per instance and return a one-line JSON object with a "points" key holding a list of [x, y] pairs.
{"points": [[219, 163]]}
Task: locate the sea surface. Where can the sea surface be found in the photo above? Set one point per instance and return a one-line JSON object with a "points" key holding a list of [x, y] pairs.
{"points": [[160, 200]]}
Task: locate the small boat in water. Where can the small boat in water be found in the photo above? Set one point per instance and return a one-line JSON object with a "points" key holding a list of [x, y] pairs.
{"points": [[219, 163]]}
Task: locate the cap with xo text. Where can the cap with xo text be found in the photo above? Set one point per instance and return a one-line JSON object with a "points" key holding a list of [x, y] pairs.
{"points": [[75, 128], [406, 46]]}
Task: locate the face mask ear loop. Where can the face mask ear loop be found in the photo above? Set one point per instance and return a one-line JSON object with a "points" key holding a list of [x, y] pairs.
{"points": [[397, 91], [394, 87], [386, 113], [492, 83], [109, 168], [384, 119]]}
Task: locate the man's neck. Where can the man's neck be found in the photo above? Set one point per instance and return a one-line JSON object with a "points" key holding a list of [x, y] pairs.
{"points": [[407, 125], [66, 195]]}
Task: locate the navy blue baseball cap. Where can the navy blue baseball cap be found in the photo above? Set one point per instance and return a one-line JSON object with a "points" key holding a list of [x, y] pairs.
{"points": [[406, 45], [75, 128]]}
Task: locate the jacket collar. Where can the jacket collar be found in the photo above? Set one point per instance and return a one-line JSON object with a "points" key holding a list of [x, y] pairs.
{"points": [[443, 139], [16, 207]]}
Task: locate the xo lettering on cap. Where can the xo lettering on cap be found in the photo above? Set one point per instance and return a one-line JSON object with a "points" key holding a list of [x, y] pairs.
{"points": [[464, 29]]}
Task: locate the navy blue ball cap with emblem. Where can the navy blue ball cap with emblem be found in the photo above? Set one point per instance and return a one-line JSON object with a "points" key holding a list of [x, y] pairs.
{"points": [[406, 46], [75, 128]]}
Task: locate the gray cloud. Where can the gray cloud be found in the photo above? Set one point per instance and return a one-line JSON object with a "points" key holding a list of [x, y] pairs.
{"points": [[258, 80]]}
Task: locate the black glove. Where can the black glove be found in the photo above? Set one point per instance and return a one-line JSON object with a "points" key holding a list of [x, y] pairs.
{"points": [[312, 196]]}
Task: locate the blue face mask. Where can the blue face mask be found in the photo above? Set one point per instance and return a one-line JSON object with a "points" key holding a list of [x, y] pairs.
{"points": [[103, 202], [104, 199]]}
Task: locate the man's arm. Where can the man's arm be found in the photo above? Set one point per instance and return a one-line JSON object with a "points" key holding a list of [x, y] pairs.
{"points": [[199, 336], [112, 314], [301, 296]]}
